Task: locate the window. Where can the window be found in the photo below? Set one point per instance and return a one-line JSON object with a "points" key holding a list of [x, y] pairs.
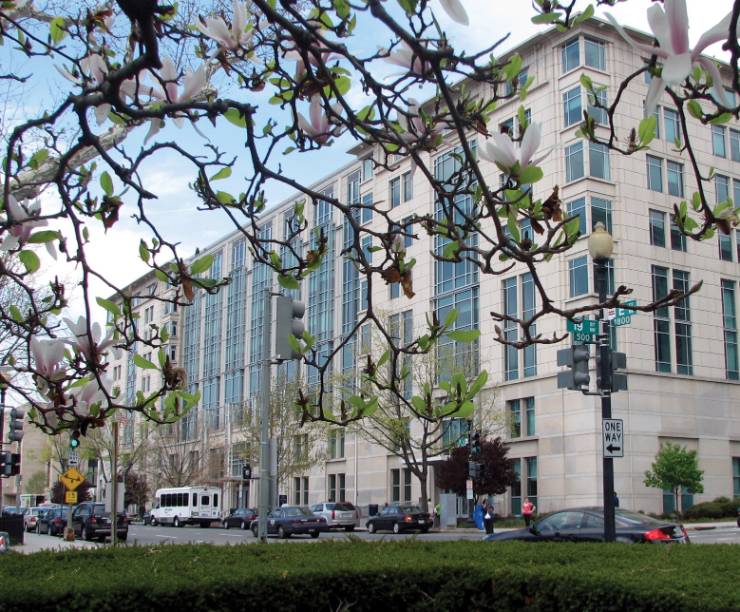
{"points": [[455, 432], [678, 238], [572, 106], [408, 230], [734, 145], [367, 208], [661, 321], [736, 476], [516, 488], [300, 490], [656, 114], [721, 188], [725, 246], [367, 168], [598, 161], [531, 471], [610, 288], [395, 290], [151, 289], [529, 408], [337, 488], [507, 127], [521, 80], [595, 52], [574, 162], [408, 186], [601, 211], [578, 276], [682, 313], [674, 174], [518, 427], [729, 324], [669, 501], [578, 208], [571, 53], [597, 113], [719, 147], [400, 492], [519, 290], [672, 127], [654, 173], [336, 444], [395, 191], [657, 228], [515, 419]]}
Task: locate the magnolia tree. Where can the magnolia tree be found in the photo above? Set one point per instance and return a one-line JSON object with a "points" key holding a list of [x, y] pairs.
{"points": [[285, 77]]}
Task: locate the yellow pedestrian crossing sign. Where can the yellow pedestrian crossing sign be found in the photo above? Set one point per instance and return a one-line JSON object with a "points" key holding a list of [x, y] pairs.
{"points": [[72, 478]]}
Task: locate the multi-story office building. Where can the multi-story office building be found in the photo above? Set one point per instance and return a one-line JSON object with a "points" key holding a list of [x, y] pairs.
{"points": [[682, 360]]}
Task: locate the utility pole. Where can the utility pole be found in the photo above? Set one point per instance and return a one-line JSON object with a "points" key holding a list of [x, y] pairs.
{"points": [[264, 487], [114, 494]]}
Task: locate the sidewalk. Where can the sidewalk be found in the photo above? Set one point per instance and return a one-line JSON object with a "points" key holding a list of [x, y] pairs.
{"points": [[33, 542], [688, 526]]}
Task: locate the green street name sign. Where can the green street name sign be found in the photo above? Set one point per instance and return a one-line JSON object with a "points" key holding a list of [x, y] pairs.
{"points": [[583, 332], [622, 316]]}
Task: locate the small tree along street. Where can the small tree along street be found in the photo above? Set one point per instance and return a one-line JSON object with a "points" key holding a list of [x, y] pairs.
{"points": [[676, 469]]}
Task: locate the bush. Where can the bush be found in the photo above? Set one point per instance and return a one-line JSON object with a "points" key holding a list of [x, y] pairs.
{"points": [[721, 507], [402, 575]]}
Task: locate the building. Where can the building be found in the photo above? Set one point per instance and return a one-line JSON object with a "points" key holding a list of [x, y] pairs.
{"points": [[682, 360]]}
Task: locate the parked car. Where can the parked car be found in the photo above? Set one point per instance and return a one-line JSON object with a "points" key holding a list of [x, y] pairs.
{"points": [[52, 520], [587, 525], [289, 520], [400, 517], [31, 517], [240, 517], [14, 510], [91, 521], [738, 517], [342, 515]]}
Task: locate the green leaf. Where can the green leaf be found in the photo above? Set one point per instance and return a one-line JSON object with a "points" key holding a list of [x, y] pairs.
{"points": [[288, 282], [15, 313], [161, 358], [143, 251], [530, 174], [43, 237], [202, 264], [109, 306], [695, 109], [383, 358], [57, 32], [30, 260], [465, 411], [370, 408], [235, 116], [545, 18], [106, 183], [225, 172], [145, 364], [646, 130], [38, 158], [464, 335], [225, 198], [723, 118], [408, 5], [451, 317], [478, 383], [419, 404]]}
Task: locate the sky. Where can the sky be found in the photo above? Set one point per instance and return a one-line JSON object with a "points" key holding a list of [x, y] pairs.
{"points": [[116, 252]]}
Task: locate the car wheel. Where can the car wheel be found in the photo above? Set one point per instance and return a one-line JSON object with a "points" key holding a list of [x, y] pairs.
{"points": [[225, 524], [425, 529], [396, 528], [282, 533], [314, 534], [371, 527], [349, 528], [243, 525], [153, 522], [176, 522]]}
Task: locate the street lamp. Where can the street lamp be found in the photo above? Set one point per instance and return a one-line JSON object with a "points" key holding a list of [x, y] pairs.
{"points": [[601, 246]]}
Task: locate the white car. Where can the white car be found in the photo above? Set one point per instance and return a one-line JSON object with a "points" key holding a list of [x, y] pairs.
{"points": [[338, 515]]}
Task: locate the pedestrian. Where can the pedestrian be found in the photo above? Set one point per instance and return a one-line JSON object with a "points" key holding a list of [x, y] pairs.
{"points": [[616, 500], [437, 513], [528, 509], [488, 516]]}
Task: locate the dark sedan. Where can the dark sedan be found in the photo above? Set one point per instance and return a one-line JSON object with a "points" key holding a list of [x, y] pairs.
{"points": [[90, 521], [400, 517], [587, 525], [289, 520], [52, 521], [240, 517]]}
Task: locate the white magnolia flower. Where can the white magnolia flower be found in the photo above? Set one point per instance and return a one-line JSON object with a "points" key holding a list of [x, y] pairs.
{"points": [[22, 220], [503, 152], [671, 28], [455, 10], [85, 396], [239, 35], [411, 122], [402, 55], [300, 68], [319, 128], [48, 356], [86, 345]]}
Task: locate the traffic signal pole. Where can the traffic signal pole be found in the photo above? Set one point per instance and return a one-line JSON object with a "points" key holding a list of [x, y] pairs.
{"points": [[264, 484]]}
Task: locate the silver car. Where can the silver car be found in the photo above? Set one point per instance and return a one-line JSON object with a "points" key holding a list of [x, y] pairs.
{"points": [[338, 515]]}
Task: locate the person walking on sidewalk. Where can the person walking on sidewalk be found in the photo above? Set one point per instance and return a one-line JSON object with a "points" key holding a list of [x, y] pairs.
{"points": [[488, 516], [528, 509]]}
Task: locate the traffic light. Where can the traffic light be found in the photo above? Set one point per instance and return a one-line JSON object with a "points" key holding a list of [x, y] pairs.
{"points": [[475, 444], [246, 472], [10, 464], [576, 358], [615, 381], [473, 470], [288, 315], [74, 439], [15, 425]]}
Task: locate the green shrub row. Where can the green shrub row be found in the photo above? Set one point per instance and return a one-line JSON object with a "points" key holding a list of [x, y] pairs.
{"points": [[719, 508], [357, 575]]}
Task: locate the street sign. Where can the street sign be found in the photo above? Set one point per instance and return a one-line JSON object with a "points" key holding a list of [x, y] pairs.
{"points": [[623, 316], [612, 433], [469, 488], [583, 332], [70, 497], [73, 459], [72, 478]]}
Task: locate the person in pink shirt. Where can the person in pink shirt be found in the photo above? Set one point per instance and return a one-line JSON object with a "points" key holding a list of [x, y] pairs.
{"points": [[528, 509]]}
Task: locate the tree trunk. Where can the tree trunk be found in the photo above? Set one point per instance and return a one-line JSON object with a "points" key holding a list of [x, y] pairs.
{"points": [[677, 501], [423, 478]]}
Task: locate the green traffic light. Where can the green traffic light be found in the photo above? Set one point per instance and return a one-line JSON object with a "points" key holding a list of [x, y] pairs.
{"points": [[74, 441]]}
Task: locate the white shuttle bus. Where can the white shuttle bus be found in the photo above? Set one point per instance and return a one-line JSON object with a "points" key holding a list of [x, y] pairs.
{"points": [[179, 506]]}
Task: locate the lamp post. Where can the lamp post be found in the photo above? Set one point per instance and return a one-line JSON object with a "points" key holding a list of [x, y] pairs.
{"points": [[600, 246]]}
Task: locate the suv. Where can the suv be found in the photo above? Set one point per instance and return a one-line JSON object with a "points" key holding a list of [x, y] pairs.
{"points": [[341, 515], [90, 521]]}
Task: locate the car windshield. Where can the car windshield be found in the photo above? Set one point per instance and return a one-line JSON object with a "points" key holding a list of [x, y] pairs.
{"points": [[99, 509], [297, 511], [625, 518], [341, 506]]}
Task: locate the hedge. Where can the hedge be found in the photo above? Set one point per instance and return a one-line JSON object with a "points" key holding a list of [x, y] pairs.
{"points": [[721, 507], [358, 575]]}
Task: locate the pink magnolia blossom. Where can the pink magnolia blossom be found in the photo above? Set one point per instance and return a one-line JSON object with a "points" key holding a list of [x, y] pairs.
{"points": [[89, 346], [402, 55], [671, 28], [456, 11], [22, 220], [411, 122], [48, 356], [319, 128], [300, 68], [504, 153], [236, 37]]}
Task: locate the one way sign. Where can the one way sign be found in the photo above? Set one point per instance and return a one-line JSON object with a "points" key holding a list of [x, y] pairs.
{"points": [[612, 433]]}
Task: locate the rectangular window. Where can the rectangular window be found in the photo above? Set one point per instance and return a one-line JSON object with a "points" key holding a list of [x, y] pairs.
{"points": [[516, 488], [661, 321], [395, 191], [682, 314], [515, 419], [609, 279], [578, 208], [574, 162], [736, 476], [531, 466], [719, 146], [341, 485], [367, 168], [336, 444], [572, 106], [674, 174], [511, 332], [395, 290], [395, 485], [367, 208], [725, 246], [601, 211], [571, 55], [598, 161], [406, 485], [654, 173], [528, 310], [595, 52], [408, 231], [657, 228], [678, 238], [672, 127], [721, 188], [408, 186], [529, 403], [578, 276], [734, 146], [656, 114], [332, 487], [598, 112], [729, 324], [454, 433]]}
